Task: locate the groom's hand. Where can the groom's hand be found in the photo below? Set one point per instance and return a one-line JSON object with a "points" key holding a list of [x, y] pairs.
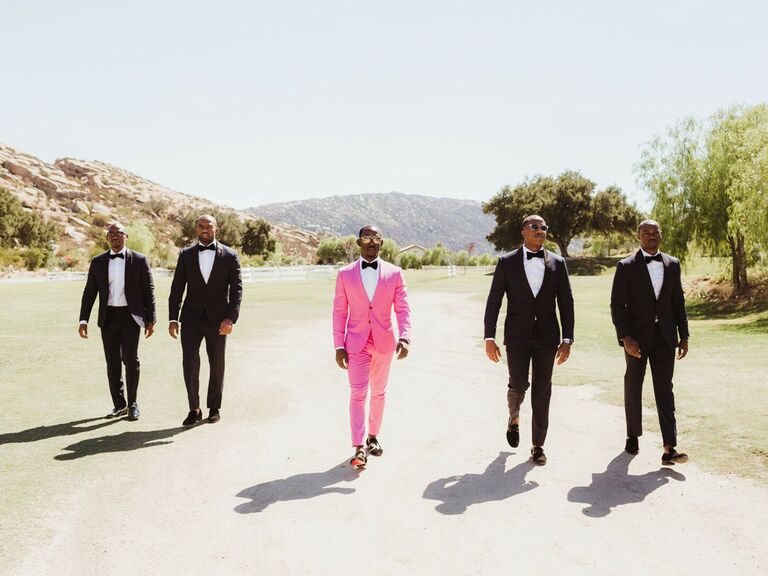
{"points": [[492, 350], [631, 347], [341, 358]]}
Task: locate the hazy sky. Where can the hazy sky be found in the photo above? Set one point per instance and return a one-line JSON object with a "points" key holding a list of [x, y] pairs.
{"points": [[253, 102]]}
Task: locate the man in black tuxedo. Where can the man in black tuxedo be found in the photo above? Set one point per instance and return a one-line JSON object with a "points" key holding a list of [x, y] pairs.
{"points": [[122, 280], [210, 273], [648, 311], [533, 279]]}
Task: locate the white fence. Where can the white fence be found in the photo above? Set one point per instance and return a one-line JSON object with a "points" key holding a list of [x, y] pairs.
{"points": [[263, 274]]}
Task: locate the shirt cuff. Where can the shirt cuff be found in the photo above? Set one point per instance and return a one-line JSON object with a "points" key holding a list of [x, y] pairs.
{"points": [[340, 348], [174, 321], [83, 322], [491, 339]]}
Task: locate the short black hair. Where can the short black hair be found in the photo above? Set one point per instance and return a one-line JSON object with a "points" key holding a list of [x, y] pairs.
{"points": [[360, 233], [648, 222], [208, 217], [529, 218]]}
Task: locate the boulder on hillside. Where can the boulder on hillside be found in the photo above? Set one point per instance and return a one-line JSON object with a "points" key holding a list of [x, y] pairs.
{"points": [[81, 206], [18, 169], [99, 208]]}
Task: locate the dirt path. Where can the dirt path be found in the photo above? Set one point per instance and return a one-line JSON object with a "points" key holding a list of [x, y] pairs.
{"points": [[268, 491]]}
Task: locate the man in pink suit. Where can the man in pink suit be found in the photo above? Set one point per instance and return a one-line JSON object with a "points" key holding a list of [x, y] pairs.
{"points": [[366, 292]]}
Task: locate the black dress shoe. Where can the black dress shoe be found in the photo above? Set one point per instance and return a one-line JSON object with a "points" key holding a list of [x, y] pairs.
{"points": [[632, 446], [117, 412], [374, 447], [673, 457], [537, 455], [192, 418], [359, 459], [133, 412], [214, 416], [513, 435]]}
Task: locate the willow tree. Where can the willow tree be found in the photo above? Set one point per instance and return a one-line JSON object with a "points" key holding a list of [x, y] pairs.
{"points": [[707, 181]]}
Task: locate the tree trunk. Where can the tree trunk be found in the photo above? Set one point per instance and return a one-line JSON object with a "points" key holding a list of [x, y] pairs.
{"points": [[739, 263], [563, 245]]}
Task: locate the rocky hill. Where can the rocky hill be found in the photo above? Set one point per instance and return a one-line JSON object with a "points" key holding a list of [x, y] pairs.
{"points": [[81, 196], [406, 218]]}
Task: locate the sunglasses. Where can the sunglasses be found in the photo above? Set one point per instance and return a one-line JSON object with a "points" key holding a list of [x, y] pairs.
{"points": [[369, 239], [542, 227]]}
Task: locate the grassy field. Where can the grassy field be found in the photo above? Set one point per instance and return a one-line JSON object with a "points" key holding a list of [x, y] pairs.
{"points": [[46, 369]]}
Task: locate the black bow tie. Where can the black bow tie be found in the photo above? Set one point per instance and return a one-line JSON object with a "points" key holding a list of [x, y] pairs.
{"points": [[374, 264], [539, 254], [118, 255], [210, 246], [657, 257]]}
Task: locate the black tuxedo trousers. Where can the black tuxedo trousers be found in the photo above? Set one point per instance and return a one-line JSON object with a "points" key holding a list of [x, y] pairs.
{"points": [[120, 338], [661, 357], [538, 356], [192, 335]]}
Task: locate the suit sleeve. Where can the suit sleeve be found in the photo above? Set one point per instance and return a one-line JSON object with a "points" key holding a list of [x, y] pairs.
{"points": [[678, 306], [402, 308], [177, 289], [565, 303], [619, 298], [89, 294], [340, 313], [148, 291], [493, 303], [235, 289]]}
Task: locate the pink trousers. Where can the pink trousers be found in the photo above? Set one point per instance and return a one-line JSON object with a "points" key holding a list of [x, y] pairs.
{"points": [[367, 368]]}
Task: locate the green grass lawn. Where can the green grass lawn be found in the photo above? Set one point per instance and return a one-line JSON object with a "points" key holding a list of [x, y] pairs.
{"points": [[720, 387]]}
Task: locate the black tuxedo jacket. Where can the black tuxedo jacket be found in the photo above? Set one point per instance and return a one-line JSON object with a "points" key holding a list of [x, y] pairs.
{"points": [[218, 299], [634, 308], [523, 310], [139, 288]]}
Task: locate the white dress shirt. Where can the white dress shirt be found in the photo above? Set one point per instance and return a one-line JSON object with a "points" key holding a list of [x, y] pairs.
{"points": [[656, 272], [370, 277], [205, 259], [534, 271], [117, 279]]}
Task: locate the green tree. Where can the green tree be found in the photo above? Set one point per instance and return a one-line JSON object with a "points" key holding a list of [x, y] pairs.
{"points": [[707, 180], [410, 261], [18, 227], [565, 202], [613, 216], [389, 250], [257, 238], [330, 251], [230, 228], [140, 238]]}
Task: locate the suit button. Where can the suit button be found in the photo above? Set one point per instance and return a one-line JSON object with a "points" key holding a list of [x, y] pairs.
{"points": [[370, 307]]}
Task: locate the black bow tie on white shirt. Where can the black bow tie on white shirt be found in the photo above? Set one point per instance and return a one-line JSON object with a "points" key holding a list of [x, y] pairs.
{"points": [[209, 247], [118, 255], [656, 257], [539, 254], [374, 264]]}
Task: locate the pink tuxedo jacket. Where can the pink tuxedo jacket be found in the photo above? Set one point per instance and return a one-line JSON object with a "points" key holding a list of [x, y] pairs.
{"points": [[355, 317]]}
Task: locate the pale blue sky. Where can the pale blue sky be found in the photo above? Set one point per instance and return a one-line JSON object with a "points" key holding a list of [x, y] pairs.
{"points": [[254, 102]]}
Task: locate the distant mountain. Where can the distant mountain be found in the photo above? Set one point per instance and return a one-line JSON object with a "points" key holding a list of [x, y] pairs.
{"points": [[80, 196], [405, 218]]}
